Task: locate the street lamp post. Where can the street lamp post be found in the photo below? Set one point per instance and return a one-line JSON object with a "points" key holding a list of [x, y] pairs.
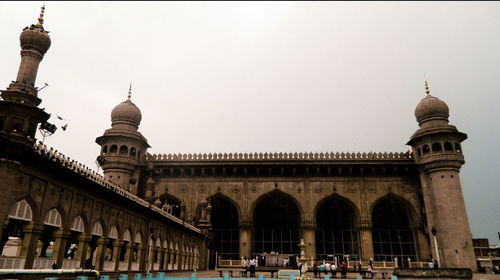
{"points": [[434, 231]]}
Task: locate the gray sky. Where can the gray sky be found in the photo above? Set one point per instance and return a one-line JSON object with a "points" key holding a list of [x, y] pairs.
{"points": [[272, 77]]}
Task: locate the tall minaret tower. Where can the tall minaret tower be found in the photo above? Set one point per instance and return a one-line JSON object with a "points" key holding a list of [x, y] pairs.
{"points": [[19, 114], [123, 147], [437, 149]]}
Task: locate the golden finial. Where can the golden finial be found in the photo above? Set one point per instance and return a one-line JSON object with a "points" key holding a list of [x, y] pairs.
{"points": [[40, 18], [427, 91], [130, 91]]}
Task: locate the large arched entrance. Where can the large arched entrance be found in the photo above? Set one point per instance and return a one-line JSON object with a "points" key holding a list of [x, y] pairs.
{"points": [[276, 227], [225, 228], [336, 234], [391, 232]]}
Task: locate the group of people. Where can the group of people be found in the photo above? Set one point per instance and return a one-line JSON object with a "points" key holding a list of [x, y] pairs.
{"points": [[331, 269], [248, 266]]}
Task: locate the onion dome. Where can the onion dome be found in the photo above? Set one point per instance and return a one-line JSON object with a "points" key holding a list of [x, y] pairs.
{"points": [[35, 37], [431, 108], [126, 112]]}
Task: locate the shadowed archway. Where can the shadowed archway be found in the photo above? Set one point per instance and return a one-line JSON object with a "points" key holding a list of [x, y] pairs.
{"points": [[336, 233], [225, 229], [276, 225], [392, 231]]}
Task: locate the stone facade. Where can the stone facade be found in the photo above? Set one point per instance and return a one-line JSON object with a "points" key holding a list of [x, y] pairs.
{"points": [[402, 207]]}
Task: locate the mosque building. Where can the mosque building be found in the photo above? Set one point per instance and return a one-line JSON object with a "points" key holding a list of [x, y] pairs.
{"points": [[190, 211]]}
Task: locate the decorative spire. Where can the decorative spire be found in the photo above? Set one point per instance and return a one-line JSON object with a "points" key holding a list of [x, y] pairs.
{"points": [[130, 91], [427, 91], [40, 18]]}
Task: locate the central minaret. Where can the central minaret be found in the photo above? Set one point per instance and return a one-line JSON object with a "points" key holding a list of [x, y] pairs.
{"points": [[19, 114], [437, 149], [123, 147]]}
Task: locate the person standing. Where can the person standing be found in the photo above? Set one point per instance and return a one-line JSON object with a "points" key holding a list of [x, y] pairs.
{"points": [[315, 269], [344, 268], [253, 263], [244, 267], [328, 268]]}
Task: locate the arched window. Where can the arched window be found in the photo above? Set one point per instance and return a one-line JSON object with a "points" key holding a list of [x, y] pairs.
{"points": [[113, 149], [126, 235], [78, 224], [123, 150], [21, 211], [336, 232], [448, 147], [113, 233], [436, 147], [458, 149], [391, 232], [426, 149], [133, 152], [97, 229], [419, 152], [53, 218], [104, 150]]}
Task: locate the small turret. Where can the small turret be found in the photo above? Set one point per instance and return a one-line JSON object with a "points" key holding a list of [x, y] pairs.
{"points": [[123, 147], [437, 149]]}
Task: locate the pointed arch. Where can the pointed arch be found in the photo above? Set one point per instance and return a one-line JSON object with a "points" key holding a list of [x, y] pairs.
{"points": [[78, 224], [21, 210], [224, 219], [53, 218], [126, 235], [393, 219], [344, 199], [336, 228], [158, 242], [276, 223], [263, 196], [113, 232], [138, 237], [97, 229]]}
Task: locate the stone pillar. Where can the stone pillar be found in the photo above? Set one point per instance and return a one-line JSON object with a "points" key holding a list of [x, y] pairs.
{"points": [[128, 254], [101, 251], [83, 243], [141, 258], [422, 242], [365, 238], [61, 237], [32, 232], [169, 258], [117, 246], [245, 239], [309, 235]]}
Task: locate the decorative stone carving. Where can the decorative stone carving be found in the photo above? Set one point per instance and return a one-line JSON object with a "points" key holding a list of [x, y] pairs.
{"points": [[317, 188], [235, 189], [351, 187], [183, 189], [371, 189], [253, 188], [203, 188], [407, 188]]}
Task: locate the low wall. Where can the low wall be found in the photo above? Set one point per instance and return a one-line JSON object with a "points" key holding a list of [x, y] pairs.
{"points": [[433, 273]]}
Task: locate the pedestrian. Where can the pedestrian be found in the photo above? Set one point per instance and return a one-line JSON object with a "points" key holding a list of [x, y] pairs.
{"points": [[253, 263], [315, 269], [244, 267], [328, 268], [322, 268], [344, 268]]}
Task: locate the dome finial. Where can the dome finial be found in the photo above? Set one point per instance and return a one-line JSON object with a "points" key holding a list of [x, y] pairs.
{"points": [[40, 18], [130, 91], [427, 91]]}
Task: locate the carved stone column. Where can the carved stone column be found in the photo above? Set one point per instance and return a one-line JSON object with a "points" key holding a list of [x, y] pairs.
{"points": [[141, 257], [61, 237], [128, 254], [117, 246], [32, 232], [101, 251], [83, 243]]}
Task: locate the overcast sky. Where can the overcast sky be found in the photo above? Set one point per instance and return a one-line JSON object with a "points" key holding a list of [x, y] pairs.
{"points": [[272, 77]]}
